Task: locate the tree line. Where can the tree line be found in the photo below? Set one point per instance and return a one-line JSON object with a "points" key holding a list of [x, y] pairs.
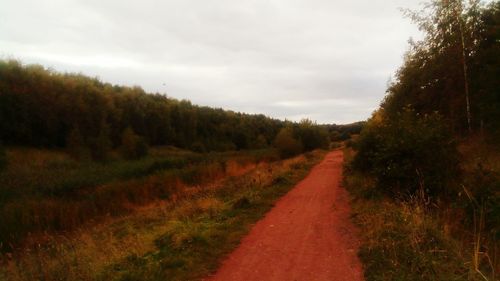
{"points": [[43, 108]]}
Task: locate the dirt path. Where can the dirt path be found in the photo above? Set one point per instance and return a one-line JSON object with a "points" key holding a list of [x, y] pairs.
{"points": [[306, 236]]}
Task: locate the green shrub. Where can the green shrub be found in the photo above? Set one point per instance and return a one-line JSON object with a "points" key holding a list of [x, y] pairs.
{"points": [[287, 144], [133, 146], [408, 154], [312, 136]]}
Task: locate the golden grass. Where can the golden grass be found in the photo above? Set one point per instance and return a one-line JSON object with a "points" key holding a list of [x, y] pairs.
{"points": [[46, 190], [86, 253]]}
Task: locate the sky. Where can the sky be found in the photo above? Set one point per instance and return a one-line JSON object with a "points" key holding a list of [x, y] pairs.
{"points": [[329, 61]]}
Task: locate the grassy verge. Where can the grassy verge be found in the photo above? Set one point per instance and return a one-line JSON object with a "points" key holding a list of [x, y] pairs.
{"points": [[182, 238], [403, 240]]}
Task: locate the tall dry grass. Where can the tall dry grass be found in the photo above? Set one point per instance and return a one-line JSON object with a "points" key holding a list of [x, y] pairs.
{"points": [[134, 244], [46, 191], [415, 240]]}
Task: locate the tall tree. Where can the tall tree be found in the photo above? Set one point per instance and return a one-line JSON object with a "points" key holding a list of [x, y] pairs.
{"points": [[437, 66]]}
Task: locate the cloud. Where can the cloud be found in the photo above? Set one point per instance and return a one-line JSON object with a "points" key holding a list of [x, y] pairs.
{"points": [[325, 60]]}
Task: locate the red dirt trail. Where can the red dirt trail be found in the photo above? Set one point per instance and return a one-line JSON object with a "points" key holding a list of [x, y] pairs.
{"points": [[306, 236]]}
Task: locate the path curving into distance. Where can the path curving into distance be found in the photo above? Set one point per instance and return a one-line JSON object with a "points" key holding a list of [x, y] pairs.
{"points": [[306, 236]]}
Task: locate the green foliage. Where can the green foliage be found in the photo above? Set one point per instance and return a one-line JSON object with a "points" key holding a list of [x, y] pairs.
{"points": [[409, 153], [51, 109], [457, 61], [312, 136], [485, 70], [287, 144], [452, 72], [335, 136], [343, 132], [40, 107], [132, 145]]}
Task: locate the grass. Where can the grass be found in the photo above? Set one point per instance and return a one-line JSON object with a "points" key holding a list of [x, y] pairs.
{"points": [[46, 191], [481, 200], [407, 240], [183, 237], [40, 173]]}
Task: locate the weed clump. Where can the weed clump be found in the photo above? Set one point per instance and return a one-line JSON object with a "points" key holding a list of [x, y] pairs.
{"points": [[242, 203], [280, 180]]}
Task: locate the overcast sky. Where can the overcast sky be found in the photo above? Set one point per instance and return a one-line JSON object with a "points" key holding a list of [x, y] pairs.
{"points": [[325, 60]]}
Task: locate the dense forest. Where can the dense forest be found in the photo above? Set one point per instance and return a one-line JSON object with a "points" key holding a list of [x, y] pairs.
{"points": [[433, 147], [42, 108]]}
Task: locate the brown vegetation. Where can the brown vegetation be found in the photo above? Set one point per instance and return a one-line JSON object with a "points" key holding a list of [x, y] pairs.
{"points": [[181, 237]]}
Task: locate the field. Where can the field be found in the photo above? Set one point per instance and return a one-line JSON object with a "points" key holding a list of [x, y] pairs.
{"points": [[47, 190], [169, 216]]}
